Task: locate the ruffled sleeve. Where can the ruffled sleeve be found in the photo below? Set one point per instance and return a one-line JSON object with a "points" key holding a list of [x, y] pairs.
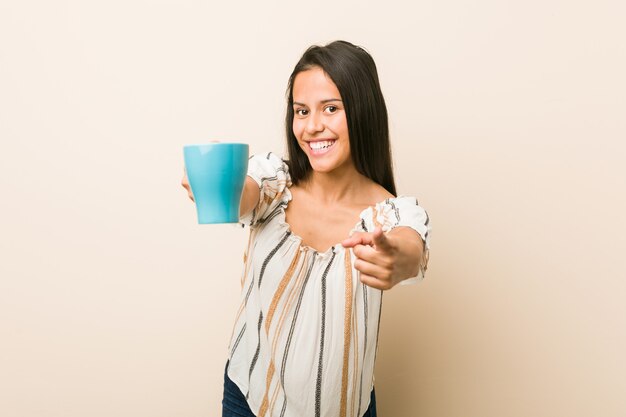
{"points": [[397, 212], [271, 174]]}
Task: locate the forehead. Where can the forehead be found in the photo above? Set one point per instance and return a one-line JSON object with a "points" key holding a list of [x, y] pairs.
{"points": [[314, 85]]}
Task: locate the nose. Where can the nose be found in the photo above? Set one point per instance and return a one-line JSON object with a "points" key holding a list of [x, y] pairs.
{"points": [[314, 123]]}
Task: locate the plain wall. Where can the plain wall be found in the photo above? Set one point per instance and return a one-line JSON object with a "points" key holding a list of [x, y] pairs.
{"points": [[507, 121]]}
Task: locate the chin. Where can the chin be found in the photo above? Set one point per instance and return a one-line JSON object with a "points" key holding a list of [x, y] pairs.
{"points": [[325, 167], [321, 168]]}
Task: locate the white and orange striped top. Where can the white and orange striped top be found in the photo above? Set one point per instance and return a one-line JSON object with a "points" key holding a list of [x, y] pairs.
{"points": [[305, 336]]}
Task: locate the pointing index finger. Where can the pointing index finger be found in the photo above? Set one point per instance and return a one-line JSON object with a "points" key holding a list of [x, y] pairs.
{"points": [[380, 239]]}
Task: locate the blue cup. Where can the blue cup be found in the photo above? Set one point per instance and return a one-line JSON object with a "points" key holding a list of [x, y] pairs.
{"points": [[217, 174]]}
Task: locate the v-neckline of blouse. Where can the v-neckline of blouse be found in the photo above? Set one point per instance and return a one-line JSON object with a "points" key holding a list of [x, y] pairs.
{"points": [[287, 197]]}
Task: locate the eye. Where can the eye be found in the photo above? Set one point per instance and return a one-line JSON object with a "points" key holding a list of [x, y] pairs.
{"points": [[330, 109], [302, 112]]}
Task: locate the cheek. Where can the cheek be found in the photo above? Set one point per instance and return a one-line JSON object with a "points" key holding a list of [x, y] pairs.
{"points": [[341, 126], [296, 126]]}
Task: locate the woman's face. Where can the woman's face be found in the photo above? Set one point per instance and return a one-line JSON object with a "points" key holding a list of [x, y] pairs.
{"points": [[319, 121]]}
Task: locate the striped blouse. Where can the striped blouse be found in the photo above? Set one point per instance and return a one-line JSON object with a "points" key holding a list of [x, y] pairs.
{"points": [[305, 335]]}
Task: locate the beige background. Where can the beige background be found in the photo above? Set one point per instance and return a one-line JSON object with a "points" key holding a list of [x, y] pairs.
{"points": [[508, 123]]}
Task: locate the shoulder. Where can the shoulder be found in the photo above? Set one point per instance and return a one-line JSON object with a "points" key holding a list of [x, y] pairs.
{"points": [[392, 212], [377, 194], [268, 166]]}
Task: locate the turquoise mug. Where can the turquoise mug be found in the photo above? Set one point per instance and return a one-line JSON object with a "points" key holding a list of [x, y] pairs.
{"points": [[217, 174]]}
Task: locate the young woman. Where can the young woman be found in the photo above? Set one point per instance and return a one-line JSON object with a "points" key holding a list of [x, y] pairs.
{"points": [[327, 236]]}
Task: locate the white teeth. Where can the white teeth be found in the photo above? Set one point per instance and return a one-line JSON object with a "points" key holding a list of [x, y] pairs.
{"points": [[321, 144]]}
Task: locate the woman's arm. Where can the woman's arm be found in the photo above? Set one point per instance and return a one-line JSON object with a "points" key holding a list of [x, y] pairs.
{"points": [[250, 197]]}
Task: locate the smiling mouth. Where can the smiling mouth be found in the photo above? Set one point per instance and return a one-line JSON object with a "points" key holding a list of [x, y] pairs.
{"points": [[320, 147]]}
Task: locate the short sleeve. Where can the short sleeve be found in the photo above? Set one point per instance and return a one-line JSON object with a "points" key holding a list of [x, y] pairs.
{"points": [[397, 212], [271, 174]]}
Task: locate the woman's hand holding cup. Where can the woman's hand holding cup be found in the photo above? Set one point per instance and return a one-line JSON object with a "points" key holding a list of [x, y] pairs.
{"points": [[185, 184]]}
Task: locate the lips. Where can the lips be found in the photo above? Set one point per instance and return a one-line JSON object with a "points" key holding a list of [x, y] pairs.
{"points": [[321, 146]]}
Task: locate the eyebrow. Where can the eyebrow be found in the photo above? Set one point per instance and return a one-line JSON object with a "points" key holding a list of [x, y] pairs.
{"points": [[328, 100]]}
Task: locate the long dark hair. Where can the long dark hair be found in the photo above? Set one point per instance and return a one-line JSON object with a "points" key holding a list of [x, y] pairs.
{"points": [[354, 73]]}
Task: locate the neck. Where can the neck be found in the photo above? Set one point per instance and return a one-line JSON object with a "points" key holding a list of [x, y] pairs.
{"points": [[340, 185]]}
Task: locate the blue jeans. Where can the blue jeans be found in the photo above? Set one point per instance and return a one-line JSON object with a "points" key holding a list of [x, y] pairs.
{"points": [[234, 403]]}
